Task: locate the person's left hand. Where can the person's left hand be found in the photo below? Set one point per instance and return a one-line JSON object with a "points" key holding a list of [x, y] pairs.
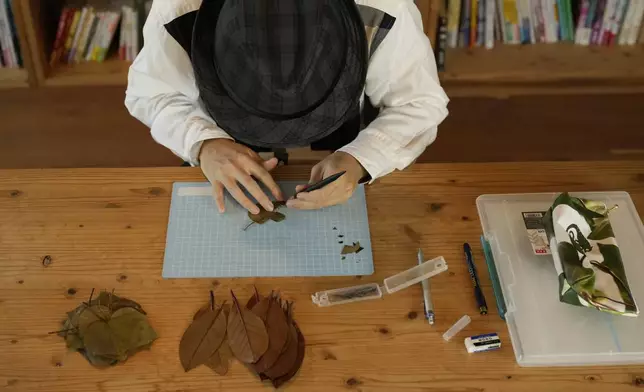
{"points": [[338, 191]]}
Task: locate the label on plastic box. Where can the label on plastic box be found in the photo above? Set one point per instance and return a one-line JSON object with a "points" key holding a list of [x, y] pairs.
{"points": [[536, 232]]}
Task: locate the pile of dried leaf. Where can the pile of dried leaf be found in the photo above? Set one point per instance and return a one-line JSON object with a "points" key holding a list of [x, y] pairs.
{"points": [[262, 335], [107, 330]]}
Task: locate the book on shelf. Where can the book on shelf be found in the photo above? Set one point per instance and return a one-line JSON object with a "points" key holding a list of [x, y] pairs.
{"points": [[87, 30], [441, 38], [10, 56], [474, 23]]}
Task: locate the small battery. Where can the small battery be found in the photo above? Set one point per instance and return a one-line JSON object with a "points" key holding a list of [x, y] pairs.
{"points": [[487, 342]]}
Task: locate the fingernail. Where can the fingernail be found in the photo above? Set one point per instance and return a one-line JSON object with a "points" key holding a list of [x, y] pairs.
{"points": [[254, 211], [270, 207], [289, 203]]}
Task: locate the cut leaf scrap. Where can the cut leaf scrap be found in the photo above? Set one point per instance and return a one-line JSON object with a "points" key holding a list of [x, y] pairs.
{"points": [[247, 333], [348, 249]]}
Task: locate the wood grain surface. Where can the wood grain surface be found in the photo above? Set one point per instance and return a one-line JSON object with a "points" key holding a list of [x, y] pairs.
{"points": [[105, 228]]}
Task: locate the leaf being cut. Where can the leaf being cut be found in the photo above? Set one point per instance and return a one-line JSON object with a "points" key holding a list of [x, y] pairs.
{"points": [[264, 216], [271, 312], [355, 248], [202, 338], [247, 333]]}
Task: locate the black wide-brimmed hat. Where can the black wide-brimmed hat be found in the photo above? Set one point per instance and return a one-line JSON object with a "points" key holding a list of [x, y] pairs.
{"points": [[279, 73]]}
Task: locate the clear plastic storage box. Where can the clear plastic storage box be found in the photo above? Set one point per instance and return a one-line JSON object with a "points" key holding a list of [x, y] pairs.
{"points": [[544, 331]]}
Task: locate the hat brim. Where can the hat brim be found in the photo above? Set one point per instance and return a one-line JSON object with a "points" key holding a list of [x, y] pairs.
{"points": [[341, 105]]}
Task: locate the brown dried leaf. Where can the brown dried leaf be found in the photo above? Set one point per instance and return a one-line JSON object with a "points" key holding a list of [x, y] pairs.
{"points": [[301, 345], [264, 216], [355, 248], [202, 338], [277, 325], [286, 361], [219, 362], [254, 300], [247, 333]]}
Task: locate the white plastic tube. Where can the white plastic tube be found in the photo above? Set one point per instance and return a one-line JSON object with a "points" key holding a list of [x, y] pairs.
{"points": [[456, 328]]}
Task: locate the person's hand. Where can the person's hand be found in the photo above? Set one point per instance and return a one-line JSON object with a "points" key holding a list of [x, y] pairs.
{"points": [[227, 164], [338, 191]]}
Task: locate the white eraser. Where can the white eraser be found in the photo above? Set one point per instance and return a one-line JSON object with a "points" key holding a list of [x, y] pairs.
{"points": [[487, 342]]}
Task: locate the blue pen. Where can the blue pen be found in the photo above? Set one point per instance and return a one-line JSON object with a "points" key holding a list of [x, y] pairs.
{"points": [[478, 293]]}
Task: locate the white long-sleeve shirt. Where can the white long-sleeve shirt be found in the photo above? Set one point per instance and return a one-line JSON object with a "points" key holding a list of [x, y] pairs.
{"points": [[401, 80]]}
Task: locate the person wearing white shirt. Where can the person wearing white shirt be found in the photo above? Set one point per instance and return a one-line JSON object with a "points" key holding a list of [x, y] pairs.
{"points": [[218, 80]]}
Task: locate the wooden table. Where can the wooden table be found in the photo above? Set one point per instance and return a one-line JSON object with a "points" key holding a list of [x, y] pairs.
{"points": [[106, 229]]}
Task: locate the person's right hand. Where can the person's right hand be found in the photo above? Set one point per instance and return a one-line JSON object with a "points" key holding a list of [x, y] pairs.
{"points": [[227, 164]]}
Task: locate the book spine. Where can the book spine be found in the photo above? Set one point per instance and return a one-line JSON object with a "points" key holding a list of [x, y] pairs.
{"points": [[499, 27], [473, 19], [615, 23], [90, 36], [524, 23], [441, 39], [111, 31], [583, 25], [5, 38], [539, 27], [465, 24], [637, 24], [570, 15], [481, 22], [550, 20], [77, 35], [511, 22], [490, 24], [454, 13], [99, 36], [598, 22], [13, 34], [640, 39], [82, 40], [59, 42], [561, 19], [135, 35], [122, 33], [71, 34]]}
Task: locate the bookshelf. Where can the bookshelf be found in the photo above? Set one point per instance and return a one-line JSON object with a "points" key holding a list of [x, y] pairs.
{"points": [[505, 70]]}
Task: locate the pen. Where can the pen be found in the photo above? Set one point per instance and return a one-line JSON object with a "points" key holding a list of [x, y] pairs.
{"points": [[478, 293], [321, 184], [427, 295]]}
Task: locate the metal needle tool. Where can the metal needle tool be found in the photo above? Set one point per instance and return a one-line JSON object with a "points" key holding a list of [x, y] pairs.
{"points": [[427, 295]]}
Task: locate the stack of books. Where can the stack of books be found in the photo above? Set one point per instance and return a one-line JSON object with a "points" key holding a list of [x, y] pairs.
{"points": [[9, 47], [473, 23], [88, 33]]}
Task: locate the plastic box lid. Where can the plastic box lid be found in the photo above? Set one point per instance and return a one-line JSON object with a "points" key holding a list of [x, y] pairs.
{"points": [[544, 331]]}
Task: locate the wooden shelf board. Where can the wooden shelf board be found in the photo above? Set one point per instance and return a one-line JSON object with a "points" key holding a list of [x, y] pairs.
{"points": [[548, 67], [13, 77], [112, 72]]}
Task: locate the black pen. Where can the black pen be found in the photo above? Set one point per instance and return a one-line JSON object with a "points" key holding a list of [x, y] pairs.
{"points": [[321, 184], [478, 293]]}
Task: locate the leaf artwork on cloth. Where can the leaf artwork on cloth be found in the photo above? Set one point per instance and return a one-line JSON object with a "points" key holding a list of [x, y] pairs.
{"points": [[354, 248], [264, 216], [107, 330], [262, 335], [587, 257]]}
